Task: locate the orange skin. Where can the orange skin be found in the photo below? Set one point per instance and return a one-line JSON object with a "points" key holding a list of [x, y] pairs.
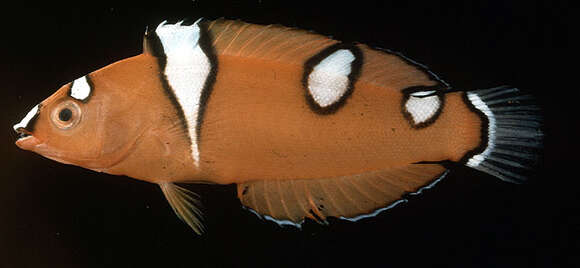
{"points": [[128, 127], [253, 131], [258, 130], [257, 124]]}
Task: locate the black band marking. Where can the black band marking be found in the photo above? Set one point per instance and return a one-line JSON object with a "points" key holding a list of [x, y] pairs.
{"points": [[206, 44], [484, 140], [156, 50], [70, 86], [32, 122]]}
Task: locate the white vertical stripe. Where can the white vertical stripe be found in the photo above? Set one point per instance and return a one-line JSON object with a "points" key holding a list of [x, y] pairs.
{"points": [[187, 69]]}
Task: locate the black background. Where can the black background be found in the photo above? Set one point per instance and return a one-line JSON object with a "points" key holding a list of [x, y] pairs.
{"points": [[53, 215]]}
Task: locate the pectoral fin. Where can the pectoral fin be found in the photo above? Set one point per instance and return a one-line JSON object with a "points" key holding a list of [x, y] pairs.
{"points": [[289, 202], [185, 204]]}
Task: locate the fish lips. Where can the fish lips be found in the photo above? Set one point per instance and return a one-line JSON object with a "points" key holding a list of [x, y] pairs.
{"points": [[27, 142], [30, 143]]}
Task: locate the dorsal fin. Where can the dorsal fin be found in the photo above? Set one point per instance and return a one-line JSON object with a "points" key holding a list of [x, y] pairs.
{"points": [[147, 49], [348, 197], [391, 69], [151, 44], [268, 42], [275, 42]]}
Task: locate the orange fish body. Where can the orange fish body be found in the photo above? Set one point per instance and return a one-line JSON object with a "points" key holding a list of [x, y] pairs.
{"points": [[306, 126]]}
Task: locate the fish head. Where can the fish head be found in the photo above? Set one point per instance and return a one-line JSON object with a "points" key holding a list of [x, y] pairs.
{"points": [[90, 122]]}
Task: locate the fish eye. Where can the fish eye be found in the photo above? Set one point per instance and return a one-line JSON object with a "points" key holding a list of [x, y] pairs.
{"points": [[66, 115]]}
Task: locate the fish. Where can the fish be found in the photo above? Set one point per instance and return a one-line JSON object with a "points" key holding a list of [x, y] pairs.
{"points": [[305, 126]]}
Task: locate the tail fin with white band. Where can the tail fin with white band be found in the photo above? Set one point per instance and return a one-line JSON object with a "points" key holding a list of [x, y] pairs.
{"points": [[512, 138]]}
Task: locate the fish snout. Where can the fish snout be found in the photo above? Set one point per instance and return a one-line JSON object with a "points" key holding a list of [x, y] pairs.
{"points": [[27, 141], [21, 131], [24, 129]]}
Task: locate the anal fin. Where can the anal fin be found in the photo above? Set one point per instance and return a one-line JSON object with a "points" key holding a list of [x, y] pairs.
{"points": [[185, 204], [289, 202]]}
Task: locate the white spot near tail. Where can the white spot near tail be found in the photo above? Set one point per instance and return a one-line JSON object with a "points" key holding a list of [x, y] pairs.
{"points": [[329, 80], [26, 119], [187, 69], [422, 107], [80, 89]]}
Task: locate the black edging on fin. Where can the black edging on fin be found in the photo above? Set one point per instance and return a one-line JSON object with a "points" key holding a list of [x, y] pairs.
{"points": [[404, 199], [442, 85], [353, 76], [279, 222]]}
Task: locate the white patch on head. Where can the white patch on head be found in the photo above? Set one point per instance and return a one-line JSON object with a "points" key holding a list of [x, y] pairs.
{"points": [[187, 69], [480, 105], [422, 108], [328, 80], [26, 119], [80, 89]]}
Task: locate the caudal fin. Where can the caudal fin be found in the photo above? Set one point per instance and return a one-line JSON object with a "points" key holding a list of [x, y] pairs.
{"points": [[512, 129]]}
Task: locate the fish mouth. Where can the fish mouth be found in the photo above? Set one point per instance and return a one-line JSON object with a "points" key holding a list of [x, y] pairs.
{"points": [[26, 140], [22, 133]]}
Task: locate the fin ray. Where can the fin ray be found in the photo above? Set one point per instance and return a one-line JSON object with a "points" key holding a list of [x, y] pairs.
{"points": [[236, 37], [514, 139], [331, 200], [283, 203], [363, 193], [342, 187], [268, 42], [185, 205], [295, 46]]}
